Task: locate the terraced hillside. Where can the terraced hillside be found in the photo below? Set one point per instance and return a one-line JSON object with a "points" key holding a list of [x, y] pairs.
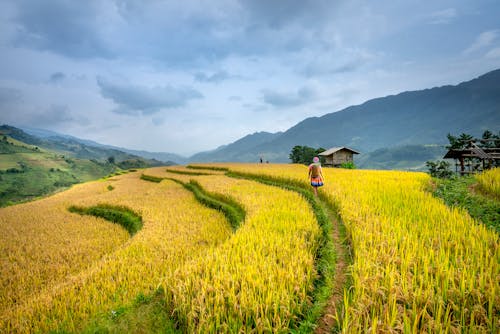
{"points": [[229, 248]]}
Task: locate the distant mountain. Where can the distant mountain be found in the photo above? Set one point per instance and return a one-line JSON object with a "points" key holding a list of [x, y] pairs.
{"points": [[406, 157], [29, 171], [241, 150], [409, 118], [167, 158], [74, 147]]}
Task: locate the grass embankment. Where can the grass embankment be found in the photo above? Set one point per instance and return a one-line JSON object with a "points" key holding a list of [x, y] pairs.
{"points": [[177, 230], [233, 211], [328, 253], [151, 178], [214, 168], [185, 172], [418, 266], [145, 315], [122, 215], [462, 192]]}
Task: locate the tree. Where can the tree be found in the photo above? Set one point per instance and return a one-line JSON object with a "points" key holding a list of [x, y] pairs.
{"points": [[304, 154], [296, 154], [459, 143], [489, 140], [111, 160], [439, 169]]}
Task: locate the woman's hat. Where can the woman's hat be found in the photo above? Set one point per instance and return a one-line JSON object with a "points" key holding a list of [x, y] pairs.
{"points": [[315, 159]]}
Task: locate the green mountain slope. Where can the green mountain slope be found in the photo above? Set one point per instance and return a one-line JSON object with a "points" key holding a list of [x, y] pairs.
{"points": [[72, 146], [28, 169], [165, 158], [241, 150], [410, 118]]}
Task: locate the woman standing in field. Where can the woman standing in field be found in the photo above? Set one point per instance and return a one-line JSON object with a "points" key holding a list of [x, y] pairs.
{"points": [[316, 175]]}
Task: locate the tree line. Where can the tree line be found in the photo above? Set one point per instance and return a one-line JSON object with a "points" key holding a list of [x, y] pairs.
{"points": [[488, 140], [305, 154], [441, 168]]}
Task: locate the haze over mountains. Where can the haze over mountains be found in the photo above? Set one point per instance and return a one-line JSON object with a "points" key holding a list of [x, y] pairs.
{"points": [[387, 130], [410, 118], [72, 146]]}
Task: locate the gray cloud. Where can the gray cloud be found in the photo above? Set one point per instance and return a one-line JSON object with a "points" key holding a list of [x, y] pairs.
{"points": [[52, 117], [318, 68], [327, 61], [213, 78], [169, 32], [9, 96], [65, 27], [281, 100], [55, 114], [132, 99], [57, 77], [277, 14]]}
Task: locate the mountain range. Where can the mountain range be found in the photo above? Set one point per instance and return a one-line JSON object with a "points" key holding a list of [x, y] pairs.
{"points": [[398, 131], [417, 118], [75, 147]]}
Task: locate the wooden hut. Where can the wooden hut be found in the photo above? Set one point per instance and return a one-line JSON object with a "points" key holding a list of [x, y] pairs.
{"points": [[474, 158], [336, 156]]}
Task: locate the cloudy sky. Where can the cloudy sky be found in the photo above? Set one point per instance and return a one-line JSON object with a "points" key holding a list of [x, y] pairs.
{"points": [[188, 76]]}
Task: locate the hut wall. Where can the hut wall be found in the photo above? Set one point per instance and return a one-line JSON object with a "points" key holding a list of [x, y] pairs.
{"points": [[341, 157], [338, 158]]}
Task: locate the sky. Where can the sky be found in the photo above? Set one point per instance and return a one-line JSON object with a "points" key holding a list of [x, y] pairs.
{"points": [[188, 76]]}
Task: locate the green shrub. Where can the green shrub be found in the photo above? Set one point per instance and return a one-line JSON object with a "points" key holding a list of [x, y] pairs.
{"points": [[439, 169], [348, 165], [151, 178], [122, 215]]}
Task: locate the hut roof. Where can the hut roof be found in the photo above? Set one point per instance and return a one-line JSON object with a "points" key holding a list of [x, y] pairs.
{"points": [[475, 152], [336, 149]]}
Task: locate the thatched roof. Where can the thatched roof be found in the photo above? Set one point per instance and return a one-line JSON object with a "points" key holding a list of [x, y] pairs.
{"points": [[336, 149], [473, 152]]}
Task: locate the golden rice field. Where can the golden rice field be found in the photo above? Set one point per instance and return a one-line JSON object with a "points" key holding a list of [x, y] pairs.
{"points": [[489, 182], [261, 278], [176, 228], [417, 265]]}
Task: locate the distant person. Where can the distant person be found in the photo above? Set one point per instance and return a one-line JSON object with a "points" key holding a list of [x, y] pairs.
{"points": [[316, 175], [260, 159]]}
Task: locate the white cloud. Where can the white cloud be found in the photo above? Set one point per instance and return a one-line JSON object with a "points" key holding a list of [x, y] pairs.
{"points": [[493, 53], [482, 41], [444, 16]]}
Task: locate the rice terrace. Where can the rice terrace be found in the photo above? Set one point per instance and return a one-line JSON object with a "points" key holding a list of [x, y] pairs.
{"points": [[247, 248]]}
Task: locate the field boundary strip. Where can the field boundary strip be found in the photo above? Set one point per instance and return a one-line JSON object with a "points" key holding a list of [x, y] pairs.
{"points": [[233, 211], [332, 258], [185, 172], [122, 215]]}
